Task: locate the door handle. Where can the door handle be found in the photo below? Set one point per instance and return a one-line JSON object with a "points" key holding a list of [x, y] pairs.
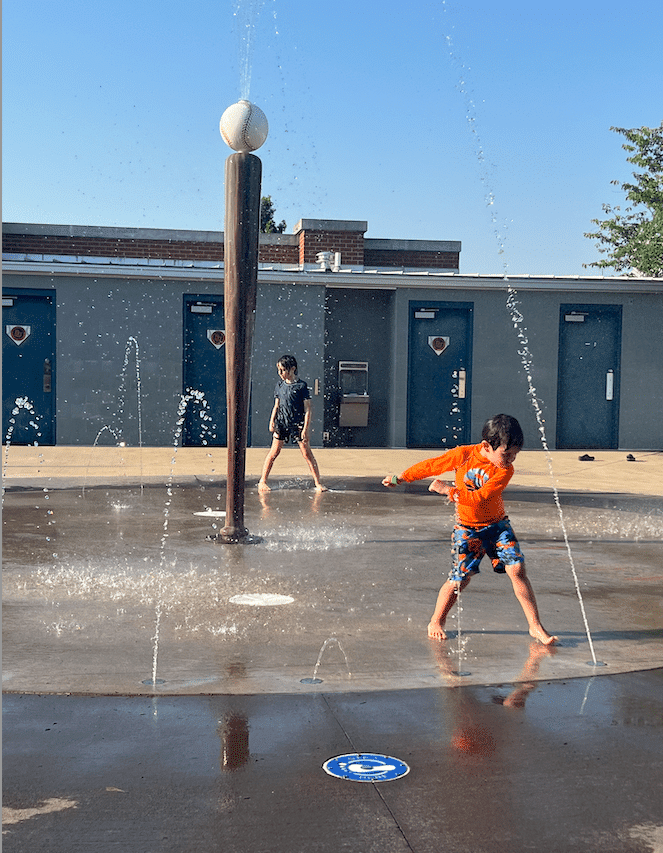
{"points": [[462, 379], [47, 376], [609, 384]]}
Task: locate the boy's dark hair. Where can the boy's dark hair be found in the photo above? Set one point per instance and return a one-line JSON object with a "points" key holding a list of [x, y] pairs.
{"points": [[503, 430], [287, 362]]}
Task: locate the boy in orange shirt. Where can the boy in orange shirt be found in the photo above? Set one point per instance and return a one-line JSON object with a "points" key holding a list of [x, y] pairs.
{"points": [[482, 472]]}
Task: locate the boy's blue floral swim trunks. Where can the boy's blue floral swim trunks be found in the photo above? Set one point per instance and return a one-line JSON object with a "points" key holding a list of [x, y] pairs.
{"points": [[469, 545]]}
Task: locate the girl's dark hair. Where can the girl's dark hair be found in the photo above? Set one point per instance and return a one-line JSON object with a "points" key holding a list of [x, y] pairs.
{"points": [[287, 362], [503, 430]]}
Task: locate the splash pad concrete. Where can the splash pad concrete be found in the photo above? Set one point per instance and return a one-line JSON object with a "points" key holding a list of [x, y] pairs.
{"points": [[552, 754], [87, 572]]}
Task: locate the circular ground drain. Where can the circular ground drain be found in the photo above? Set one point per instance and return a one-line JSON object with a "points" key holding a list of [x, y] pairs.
{"points": [[261, 599]]}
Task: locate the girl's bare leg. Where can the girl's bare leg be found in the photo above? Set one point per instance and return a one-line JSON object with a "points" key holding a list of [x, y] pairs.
{"points": [[523, 591], [445, 601], [274, 451], [305, 448]]}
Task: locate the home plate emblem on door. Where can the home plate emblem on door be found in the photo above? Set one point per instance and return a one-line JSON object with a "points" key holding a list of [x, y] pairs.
{"points": [[366, 767]]}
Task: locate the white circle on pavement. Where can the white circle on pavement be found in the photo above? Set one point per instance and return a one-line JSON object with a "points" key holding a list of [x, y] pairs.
{"points": [[261, 599], [366, 767]]}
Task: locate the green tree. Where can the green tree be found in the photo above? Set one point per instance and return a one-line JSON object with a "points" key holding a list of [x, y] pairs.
{"points": [[267, 223], [633, 240]]}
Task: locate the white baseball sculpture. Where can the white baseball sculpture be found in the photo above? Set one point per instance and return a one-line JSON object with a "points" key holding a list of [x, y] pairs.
{"points": [[244, 126]]}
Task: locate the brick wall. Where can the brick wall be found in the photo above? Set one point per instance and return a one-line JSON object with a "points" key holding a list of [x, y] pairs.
{"points": [[409, 259], [278, 253], [39, 244], [176, 250], [350, 244], [311, 236]]}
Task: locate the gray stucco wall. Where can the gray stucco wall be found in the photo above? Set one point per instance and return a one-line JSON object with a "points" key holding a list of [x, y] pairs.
{"points": [[96, 317], [289, 319], [358, 328], [500, 381], [95, 320], [499, 378], [641, 418]]}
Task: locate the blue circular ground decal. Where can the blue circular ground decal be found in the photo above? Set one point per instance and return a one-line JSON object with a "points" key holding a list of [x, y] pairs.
{"points": [[366, 767]]}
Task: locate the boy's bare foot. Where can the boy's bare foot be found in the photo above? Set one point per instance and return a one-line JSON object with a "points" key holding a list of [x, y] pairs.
{"points": [[321, 488], [543, 636], [436, 631], [263, 487]]}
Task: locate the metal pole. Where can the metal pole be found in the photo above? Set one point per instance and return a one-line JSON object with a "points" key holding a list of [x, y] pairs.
{"points": [[242, 197]]}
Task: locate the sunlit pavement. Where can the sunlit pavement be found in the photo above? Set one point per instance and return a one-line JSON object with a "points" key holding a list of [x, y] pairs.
{"points": [[527, 748]]}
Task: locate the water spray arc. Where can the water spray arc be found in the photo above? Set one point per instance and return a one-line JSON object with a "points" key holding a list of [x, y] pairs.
{"points": [[131, 342], [526, 361], [516, 315]]}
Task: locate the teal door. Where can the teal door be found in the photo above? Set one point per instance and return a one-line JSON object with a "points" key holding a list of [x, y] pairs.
{"points": [[439, 374], [588, 376], [28, 366], [204, 372]]}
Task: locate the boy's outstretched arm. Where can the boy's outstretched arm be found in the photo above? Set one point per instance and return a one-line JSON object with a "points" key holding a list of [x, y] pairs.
{"points": [[427, 468], [437, 486]]}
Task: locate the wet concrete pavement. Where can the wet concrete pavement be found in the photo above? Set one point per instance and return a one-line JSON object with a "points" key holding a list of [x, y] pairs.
{"points": [[575, 768], [534, 749]]}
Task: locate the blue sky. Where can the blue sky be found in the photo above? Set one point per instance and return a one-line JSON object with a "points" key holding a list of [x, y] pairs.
{"points": [[411, 117]]}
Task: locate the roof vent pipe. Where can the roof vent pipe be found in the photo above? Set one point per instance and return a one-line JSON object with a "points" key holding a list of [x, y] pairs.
{"points": [[325, 260]]}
